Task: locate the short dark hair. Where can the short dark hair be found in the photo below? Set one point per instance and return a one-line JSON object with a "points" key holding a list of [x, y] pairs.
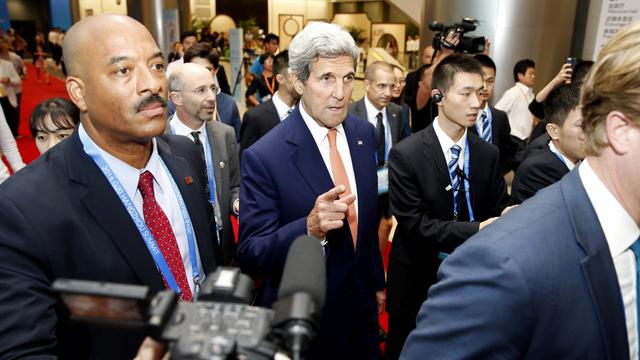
{"points": [[560, 102], [264, 57], [281, 62], [63, 113], [485, 61], [202, 50], [521, 67], [186, 34], [446, 70], [581, 70], [271, 37]]}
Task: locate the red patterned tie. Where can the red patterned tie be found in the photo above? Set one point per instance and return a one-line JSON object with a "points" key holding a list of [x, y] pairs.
{"points": [[160, 228]]}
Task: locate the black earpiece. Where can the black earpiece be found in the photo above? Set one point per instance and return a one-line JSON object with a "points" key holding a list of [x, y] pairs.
{"points": [[437, 97]]}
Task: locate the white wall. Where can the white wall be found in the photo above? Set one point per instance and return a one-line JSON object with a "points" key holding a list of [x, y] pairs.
{"points": [[310, 9]]}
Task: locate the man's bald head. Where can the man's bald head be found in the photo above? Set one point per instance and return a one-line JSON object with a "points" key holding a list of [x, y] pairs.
{"points": [[193, 91], [87, 34]]}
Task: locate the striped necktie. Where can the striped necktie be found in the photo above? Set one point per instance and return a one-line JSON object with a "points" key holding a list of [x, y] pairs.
{"points": [[486, 129], [453, 174]]}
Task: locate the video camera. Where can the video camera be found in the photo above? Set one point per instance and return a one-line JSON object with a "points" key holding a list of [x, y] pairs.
{"points": [[470, 45], [221, 324]]}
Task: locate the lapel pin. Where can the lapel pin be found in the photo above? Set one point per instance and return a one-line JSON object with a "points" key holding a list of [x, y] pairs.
{"points": [[221, 164], [188, 180], [360, 142]]}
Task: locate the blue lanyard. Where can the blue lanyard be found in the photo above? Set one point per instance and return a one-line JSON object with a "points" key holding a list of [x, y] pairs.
{"points": [[467, 186], [489, 117], [138, 220]]}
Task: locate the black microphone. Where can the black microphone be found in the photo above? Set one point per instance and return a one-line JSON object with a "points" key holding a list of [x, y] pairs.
{"points": [[301, 294], [461, 175]]}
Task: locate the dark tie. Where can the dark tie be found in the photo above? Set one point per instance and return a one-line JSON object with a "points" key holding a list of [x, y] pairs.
{"points": [[380, 143], [203, 176], [453, 173], [486, 130], [160, 228]]}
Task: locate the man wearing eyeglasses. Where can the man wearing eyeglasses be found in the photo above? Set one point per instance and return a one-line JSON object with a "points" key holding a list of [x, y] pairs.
{"points": [[193, 91]]}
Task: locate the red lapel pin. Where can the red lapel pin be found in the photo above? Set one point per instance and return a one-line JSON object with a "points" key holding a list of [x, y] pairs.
{"points": [[188, 180]]}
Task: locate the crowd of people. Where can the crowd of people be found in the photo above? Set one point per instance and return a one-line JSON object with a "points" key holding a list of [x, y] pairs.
{"points": [[145, 167]]}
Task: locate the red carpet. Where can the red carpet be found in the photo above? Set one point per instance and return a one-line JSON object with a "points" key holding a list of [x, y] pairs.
{"points": [[33, 94]]}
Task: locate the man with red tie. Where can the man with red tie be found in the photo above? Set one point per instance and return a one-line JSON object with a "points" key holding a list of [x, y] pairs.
{"points": [[114, 202], [315, 174]]}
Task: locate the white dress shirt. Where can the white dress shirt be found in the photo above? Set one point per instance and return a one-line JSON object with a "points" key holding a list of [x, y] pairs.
{"points": [[446, 143], [319, 134], [9, 148], [15, 83], [281, 107], [620, 232], [128, 176], [570, 165], [179, 128], [515, 102]]}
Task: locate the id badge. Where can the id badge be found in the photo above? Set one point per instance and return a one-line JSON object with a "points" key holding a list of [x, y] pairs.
{"points": [[383, 180]]}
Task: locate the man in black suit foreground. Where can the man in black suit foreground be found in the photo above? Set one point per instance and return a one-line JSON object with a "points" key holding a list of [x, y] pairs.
{"points": [[65, 216], [492, 124], [444, 184], [261, 119], [562, 153]]}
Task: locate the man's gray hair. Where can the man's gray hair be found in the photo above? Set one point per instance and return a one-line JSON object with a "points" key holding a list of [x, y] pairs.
{"points": [[316, 40]]}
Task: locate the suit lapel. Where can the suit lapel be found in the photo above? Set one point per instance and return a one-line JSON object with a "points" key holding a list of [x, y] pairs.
{"points": [[436, 160], [597, 267], [306, 156], [359, 154], [103, 204], [216, 143], [273, 118]]}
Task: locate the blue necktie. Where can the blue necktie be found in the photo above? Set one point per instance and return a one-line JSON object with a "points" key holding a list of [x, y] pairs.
{"points": [[486, 130], [453, 173]]}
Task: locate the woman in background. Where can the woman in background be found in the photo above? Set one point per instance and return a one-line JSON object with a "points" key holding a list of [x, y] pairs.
{"points": [[53, 120]]}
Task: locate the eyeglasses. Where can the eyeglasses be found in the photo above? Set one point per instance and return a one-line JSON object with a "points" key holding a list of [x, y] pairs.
{"points": [[202, 90]]}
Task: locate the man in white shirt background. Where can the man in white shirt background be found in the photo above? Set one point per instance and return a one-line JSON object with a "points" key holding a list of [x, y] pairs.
{"points": [[515, 101]]}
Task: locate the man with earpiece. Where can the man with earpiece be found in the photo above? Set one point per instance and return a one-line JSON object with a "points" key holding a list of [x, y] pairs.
{"points": [[445, 184]]}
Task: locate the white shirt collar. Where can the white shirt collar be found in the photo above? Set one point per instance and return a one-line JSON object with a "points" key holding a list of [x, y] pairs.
{"points": [[318, 132], [281, 107], [570, 165], [619, 228], [446, 142], [127, 174], [372, 111], [179, 128], [527, 90]]}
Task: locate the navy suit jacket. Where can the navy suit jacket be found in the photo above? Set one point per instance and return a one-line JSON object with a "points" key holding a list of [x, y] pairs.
{"points": [[539, 283], [282, 174], [62, 219], [538, 171]]}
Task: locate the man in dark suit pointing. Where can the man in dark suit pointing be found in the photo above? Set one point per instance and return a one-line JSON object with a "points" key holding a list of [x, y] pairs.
{"points": [[114, 202], [316, 174]]}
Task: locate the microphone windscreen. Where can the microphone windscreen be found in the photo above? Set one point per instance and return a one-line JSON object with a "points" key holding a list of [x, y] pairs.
{"points": [[305, 270]]}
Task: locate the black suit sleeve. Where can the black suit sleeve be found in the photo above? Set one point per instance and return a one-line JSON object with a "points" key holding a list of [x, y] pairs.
{"points": [[534, 175], [415, 216], [27, 307], [222, 81], [234, 168]]}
